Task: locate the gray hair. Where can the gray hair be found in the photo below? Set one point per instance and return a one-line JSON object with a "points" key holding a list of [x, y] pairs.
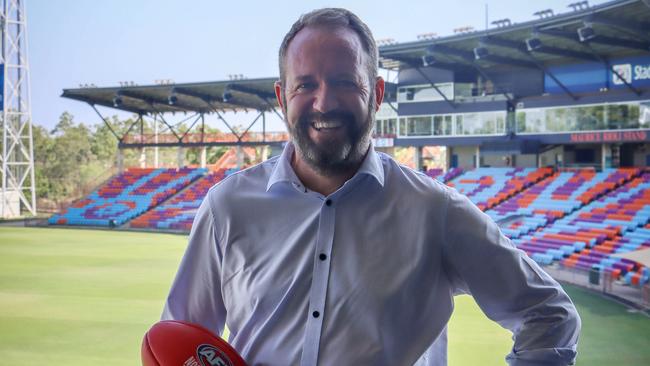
{"points": [[334, 17]]}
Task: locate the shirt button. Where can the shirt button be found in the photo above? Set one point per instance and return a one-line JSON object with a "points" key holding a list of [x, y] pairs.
{"points": [[328, 202], [322, 256], [316, 314]]}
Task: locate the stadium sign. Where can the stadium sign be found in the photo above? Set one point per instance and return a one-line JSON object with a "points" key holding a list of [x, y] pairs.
{"points": [[593, 137], [609, 136], [630, 74], [594, 76]]}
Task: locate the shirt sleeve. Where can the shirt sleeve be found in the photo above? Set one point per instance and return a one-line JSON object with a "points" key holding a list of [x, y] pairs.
{"points": [[509, 287], [195, 295]]}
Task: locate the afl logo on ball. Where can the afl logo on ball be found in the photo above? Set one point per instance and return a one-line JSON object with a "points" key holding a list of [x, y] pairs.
{"points": [[210, 355]]}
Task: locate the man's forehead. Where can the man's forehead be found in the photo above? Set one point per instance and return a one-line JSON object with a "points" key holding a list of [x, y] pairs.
{"points": [[314, 45], [324, 34]]}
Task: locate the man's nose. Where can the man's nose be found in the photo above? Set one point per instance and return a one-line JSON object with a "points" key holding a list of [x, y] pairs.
{"points": [[325, 99]]}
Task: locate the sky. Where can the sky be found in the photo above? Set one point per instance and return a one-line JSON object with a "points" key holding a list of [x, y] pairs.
{"points": [[74, 42]]}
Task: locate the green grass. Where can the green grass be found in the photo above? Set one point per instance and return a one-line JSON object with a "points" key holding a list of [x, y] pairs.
{"points": [[82, 297]]}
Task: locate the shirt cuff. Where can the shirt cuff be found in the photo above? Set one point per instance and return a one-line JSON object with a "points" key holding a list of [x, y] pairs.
{"points": [[543, 357]]}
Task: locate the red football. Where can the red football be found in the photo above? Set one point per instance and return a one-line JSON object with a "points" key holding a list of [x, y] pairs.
{"points": [[177, 343]]}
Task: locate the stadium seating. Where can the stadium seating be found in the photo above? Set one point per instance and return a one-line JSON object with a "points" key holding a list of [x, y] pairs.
{"points": [[614, 223], [178, 213], [440, 175], [579, 218], [487, 187], [556, 196], [126, 196]]}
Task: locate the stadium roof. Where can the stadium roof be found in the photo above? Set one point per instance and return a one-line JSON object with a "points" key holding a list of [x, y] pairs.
{"points": [[588, 34], [204, 97]]}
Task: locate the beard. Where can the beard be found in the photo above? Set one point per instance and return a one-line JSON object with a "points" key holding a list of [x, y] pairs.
{"points": [[336, 156]]}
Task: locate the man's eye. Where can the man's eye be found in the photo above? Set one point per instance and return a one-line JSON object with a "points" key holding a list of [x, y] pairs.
{"points": [[304, 86]]}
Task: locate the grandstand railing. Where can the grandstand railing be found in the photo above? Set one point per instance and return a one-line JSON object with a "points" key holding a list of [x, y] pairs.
{"points": [[603, 282], [222, 137]]}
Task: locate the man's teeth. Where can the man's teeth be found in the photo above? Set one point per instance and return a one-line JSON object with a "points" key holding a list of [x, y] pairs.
{"points": [[321, 125]]}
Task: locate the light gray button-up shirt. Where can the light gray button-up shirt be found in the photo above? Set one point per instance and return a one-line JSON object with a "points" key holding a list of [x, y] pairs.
{"points": [[364, 276]]}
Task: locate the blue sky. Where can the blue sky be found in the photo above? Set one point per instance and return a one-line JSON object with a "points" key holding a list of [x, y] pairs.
{"points": [[73, 42]]}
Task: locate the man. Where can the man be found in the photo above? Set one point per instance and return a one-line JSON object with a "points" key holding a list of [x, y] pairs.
{"points": [[333, 254]]}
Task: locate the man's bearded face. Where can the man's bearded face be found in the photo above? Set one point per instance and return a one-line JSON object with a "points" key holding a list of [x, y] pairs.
{"points": [[328, 99], [337, 153]]}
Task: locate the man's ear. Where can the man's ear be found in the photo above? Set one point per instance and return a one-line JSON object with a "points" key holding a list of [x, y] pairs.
{"points": [[379, 92], [278, 93]]}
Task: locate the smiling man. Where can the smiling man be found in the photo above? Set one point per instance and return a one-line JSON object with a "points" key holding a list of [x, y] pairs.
{"points": [[329, 92], [334, 254]]}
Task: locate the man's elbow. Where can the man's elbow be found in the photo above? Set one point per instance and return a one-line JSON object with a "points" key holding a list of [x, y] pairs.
{"points": [[573, 324]]}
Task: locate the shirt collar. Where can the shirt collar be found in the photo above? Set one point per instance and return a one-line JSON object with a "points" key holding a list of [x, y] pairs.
{"points": [[283, 172]]}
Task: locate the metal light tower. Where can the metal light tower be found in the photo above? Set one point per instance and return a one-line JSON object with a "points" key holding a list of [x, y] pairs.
{"points": [[18, 184]]}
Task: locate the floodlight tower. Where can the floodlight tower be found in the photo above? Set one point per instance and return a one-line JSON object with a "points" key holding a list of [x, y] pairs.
{"points": [[18, 184]]}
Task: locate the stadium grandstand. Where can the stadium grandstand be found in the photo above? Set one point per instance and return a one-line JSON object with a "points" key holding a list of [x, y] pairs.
{"points": [[544, 125]]}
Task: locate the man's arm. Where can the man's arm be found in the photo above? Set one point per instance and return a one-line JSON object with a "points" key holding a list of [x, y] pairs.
{"points": [[509, 287], [195, 295]]}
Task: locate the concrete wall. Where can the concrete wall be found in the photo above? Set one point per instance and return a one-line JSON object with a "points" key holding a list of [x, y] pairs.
{"points": [[465, 156], [549, 158], [526, 160], [640, 155], [493, 160]]}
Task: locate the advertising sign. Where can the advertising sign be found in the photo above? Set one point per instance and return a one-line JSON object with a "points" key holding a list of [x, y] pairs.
{"points": [[593, 76]]}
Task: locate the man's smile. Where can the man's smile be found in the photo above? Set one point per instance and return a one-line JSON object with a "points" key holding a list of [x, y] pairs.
{"points": [[326, 125]]}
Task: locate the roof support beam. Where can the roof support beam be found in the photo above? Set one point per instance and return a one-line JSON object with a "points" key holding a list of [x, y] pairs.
{"points": [[516, 46], [273, 108], [207, 100], [595, 55], [162, 118], [466, 57], [609, 66], [240, 137], [105, 120], [139, 119], [199, 117], [120, 139], [552, 76], [416, 64]]}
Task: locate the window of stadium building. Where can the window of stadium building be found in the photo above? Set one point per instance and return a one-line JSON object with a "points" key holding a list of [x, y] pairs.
{"points": [[442, 125], [425, 93], [584, 118], [488, 123], [416, 126], [386, 127]]}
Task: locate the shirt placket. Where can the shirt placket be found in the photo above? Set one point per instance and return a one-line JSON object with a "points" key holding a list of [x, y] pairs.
{"points": [[320, 279]]}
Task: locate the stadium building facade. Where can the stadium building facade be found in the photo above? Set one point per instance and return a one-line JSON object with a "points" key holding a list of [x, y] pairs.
{"points": [[566, 90]]}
